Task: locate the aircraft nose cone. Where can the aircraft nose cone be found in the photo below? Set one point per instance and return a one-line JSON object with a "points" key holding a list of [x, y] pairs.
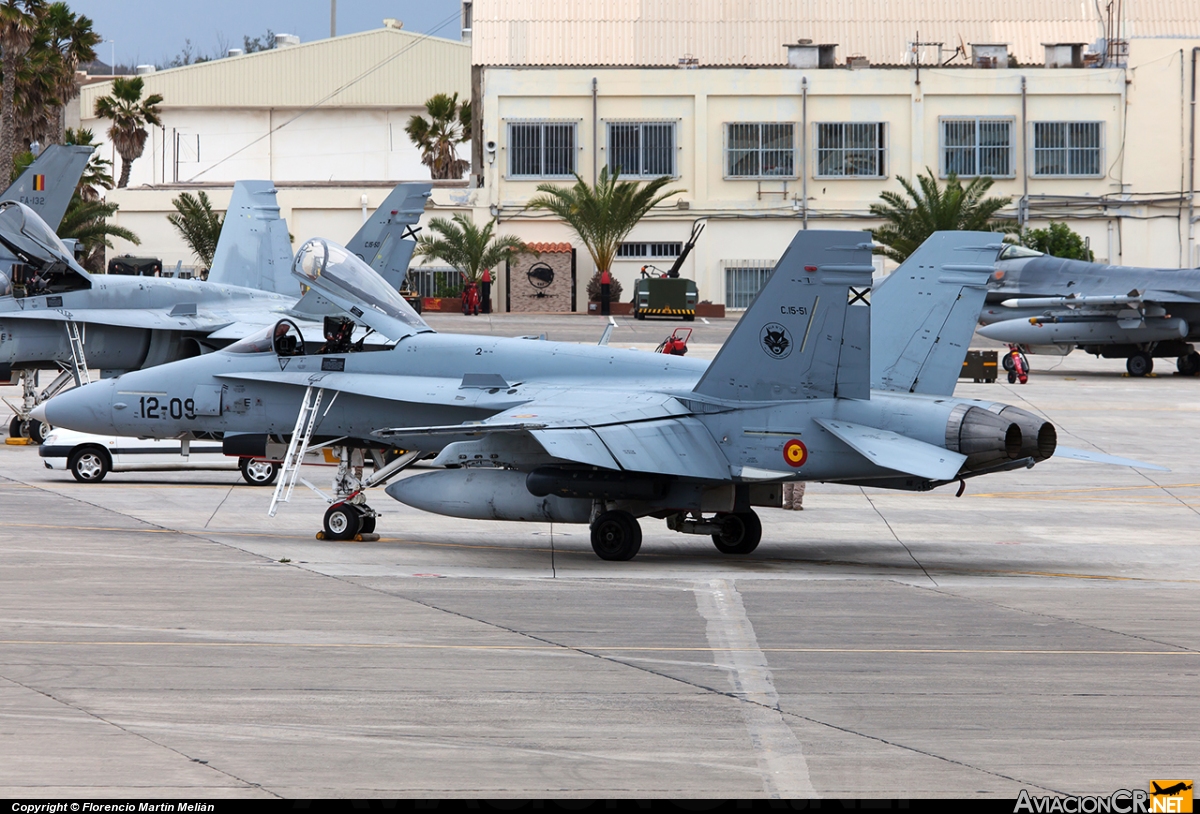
{"points": [[85, 409]]}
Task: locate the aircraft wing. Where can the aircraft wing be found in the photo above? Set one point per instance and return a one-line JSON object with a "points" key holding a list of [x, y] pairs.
{"points": [[893, 451], [145, 318]]}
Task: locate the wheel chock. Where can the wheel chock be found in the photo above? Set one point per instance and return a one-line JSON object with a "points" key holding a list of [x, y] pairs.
{"points": [[18, 442], [320, 535]]}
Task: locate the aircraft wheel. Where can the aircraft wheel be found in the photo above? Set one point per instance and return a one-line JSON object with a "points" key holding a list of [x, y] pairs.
{"points": [[740, 533], [35, 431], [14, 427], [616, 536], [258, 473], [1140, 364], [1189, 365], [90, 464], [342, 522], [368, 524]]}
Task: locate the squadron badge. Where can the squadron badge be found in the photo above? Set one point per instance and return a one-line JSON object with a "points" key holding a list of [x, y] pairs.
{"points": [[776, 340]]}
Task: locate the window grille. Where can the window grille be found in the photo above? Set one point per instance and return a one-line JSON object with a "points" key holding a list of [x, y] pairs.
{"points": [[760, 150], [1067, 148], [669, 249], [977, 147], [641, 149], [851, 149], [434, 282], [541, 149], [742, 283]]}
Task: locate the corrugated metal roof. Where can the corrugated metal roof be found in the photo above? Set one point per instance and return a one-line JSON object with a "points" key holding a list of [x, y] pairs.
{"points": [[386, 67], [753, 32]]}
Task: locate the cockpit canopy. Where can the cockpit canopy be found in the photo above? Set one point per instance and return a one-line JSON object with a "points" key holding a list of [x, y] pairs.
{"points": [[347, 281], [44, 264], [1015, 252]]}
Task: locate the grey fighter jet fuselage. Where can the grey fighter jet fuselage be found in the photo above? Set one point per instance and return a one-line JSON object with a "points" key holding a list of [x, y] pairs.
{"points": [[72, 319], [543, 430], [1051, 305]]}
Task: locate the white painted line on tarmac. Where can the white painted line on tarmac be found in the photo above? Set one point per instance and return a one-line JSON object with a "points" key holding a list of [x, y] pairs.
{"points": [[705, 321], [735, 648]]}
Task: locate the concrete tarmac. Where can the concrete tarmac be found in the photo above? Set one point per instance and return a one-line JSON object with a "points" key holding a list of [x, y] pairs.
{"points": [[161, 637]]}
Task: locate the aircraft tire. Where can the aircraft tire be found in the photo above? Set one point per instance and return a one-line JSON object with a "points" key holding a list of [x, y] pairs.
{"points": [[1140, 364], [258, 473], [616, 536], [740, 533], [342, 522], [35, 431], [14, 427], [1189, 365], [368, 524], [90, 464]]}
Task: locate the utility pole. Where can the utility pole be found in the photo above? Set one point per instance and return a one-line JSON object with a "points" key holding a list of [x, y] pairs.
{"points": [[332, 18]]}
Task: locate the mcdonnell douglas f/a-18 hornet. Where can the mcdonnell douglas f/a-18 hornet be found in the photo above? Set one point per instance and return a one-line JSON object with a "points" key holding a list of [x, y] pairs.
{"points": [[1051, 305], [538, 430], [55, 315]]}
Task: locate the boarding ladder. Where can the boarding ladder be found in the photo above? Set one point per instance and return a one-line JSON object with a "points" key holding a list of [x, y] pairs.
{"points": [[305, 422], [79, 368]]}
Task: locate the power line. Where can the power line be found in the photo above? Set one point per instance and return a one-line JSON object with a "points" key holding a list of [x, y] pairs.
{"points": [[422, 38]]}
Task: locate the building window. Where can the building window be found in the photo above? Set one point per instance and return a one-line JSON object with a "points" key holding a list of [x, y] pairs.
{"points": [[764, 150], [541, 150], [641, 149], [1066, 148], [743, 282], [660, 250], [851, 150], [977, 147]]}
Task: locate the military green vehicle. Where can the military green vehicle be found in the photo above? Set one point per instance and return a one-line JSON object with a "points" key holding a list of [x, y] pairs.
{"points": [[667, 294]]}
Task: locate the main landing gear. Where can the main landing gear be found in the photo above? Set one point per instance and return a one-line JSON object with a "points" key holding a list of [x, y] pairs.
{"points": [[617, 536]]}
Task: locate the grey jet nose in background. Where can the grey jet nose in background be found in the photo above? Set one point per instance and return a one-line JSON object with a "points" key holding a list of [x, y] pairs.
{"points": [[86, 408]]}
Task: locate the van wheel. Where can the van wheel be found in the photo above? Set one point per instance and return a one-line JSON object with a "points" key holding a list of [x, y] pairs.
{"points": [[258, 473], [90, 464]]}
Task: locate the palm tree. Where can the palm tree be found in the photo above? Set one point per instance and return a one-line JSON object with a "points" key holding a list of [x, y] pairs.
{"points": [[70, 39], [468, 248], [18, 25], [87, 222], [198, 223], [955, 208], [449, 125], [98, 172], [604, 214], [129, 114]]}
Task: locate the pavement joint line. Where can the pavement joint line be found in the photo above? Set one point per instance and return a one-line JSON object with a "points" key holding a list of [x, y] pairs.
{"points": [[97, 717], [896, 536], [727, 694], [1069, 621], [552, 646]]}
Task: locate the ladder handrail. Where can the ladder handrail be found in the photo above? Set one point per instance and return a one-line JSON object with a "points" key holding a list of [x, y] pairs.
{"points": [[78, 359], [306, 421]]}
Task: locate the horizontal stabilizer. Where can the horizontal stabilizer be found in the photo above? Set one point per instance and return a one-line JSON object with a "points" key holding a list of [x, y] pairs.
{"points": [[1100, 458], [893, 451]]}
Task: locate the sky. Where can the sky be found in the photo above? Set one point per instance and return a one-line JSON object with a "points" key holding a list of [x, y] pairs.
{"points": [[154, 31]]}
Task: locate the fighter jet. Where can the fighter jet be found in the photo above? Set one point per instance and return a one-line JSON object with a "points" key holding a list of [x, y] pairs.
{"points": [[58, 316], [540, 430], [1051, 305]]}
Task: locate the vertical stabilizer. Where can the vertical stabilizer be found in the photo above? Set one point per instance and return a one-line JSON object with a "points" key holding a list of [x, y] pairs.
{"points": [[807, 335], [254, 249], [924, 314], [382, 240], [48, 183]]}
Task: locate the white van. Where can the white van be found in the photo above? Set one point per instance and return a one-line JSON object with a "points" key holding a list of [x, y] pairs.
{"points": [[91, 457]]}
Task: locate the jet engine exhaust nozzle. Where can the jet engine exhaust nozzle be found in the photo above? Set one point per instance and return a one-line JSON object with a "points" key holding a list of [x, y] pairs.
{"points": [[985, 438], [1039, 439]]}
